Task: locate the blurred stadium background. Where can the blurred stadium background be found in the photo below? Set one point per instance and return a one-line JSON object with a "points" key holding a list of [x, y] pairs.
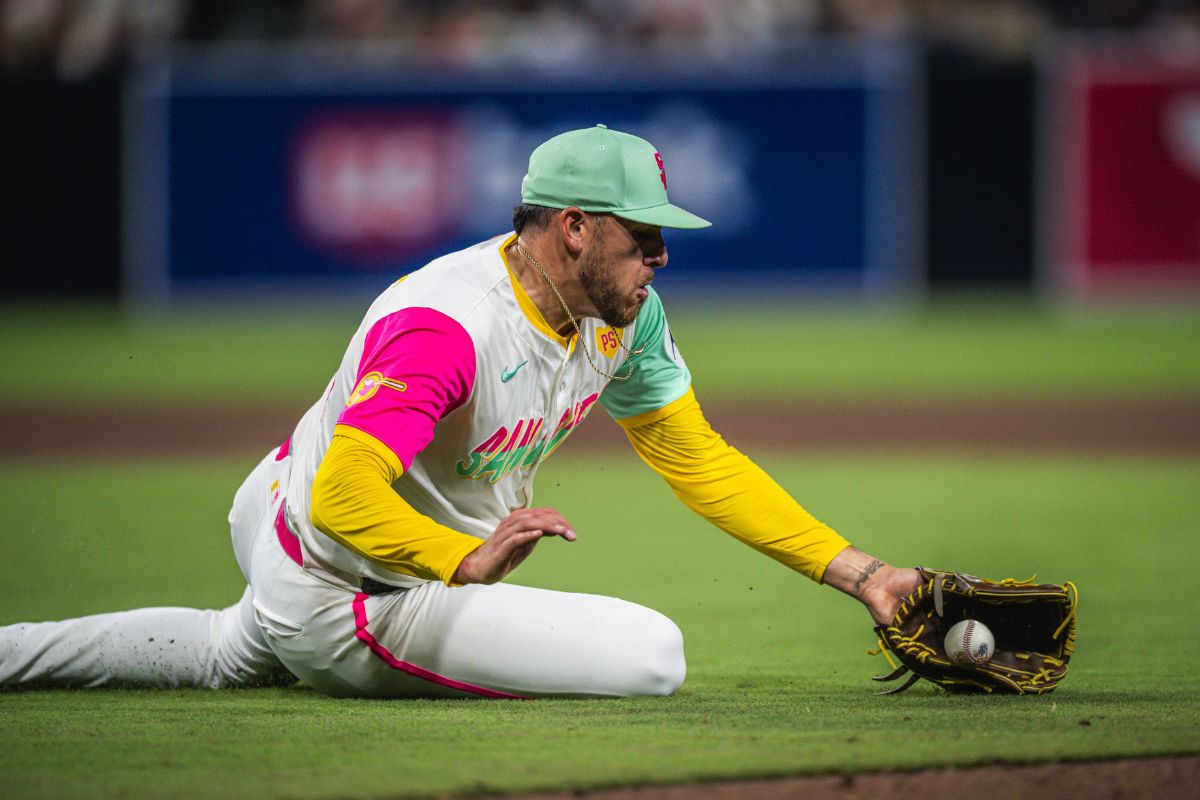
{"points": [[971, 229], [173, 150]]}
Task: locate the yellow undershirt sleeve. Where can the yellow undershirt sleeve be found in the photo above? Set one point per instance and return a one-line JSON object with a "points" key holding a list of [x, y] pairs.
{"points": [[728, 489], [353, 503]]}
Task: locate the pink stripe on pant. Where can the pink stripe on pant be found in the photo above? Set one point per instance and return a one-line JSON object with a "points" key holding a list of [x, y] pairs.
{"points": [[291, 545], [381, 652], [289, 541]]}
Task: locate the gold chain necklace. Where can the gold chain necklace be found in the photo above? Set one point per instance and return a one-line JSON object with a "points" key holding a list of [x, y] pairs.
{"points": [[578, 333]]}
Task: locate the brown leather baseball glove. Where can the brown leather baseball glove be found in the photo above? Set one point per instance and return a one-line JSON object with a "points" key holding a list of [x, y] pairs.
{"points": [[1033, 625]]}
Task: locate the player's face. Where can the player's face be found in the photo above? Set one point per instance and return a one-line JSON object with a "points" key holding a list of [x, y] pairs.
{"points": [[616, 271]]}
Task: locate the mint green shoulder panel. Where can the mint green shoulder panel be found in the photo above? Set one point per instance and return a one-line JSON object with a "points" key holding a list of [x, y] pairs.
{"points": [[659, 375]]}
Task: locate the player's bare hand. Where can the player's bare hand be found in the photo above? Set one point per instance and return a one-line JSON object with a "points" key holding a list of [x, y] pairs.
{"points": [[511, 543], [878, 586], [883, 593]]}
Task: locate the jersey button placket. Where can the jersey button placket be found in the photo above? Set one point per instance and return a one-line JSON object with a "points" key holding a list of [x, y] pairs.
{"points": [[558, 395]]}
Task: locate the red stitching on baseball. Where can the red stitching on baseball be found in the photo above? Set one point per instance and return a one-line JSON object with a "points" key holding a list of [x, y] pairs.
{"points": [[966, 641]]}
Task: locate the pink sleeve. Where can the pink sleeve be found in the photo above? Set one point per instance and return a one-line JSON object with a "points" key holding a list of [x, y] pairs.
{"points": [[417, 366]]}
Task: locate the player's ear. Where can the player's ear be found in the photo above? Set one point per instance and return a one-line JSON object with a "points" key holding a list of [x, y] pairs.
{"points": [[573, 226]]}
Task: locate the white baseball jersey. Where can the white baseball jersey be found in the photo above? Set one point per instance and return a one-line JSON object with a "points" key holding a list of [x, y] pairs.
{"points": [[455, 370]]}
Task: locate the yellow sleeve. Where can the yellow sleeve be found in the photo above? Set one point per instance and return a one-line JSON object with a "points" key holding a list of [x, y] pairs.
{"points": [[353, 503], [728, 489]]}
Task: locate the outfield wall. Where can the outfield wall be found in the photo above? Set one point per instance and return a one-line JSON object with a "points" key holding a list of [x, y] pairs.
{"points": [[1117, 184], [1120, 169], [259, 172]]}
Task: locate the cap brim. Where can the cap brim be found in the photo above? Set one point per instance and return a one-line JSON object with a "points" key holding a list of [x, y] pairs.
{"points": [[665, 216]]}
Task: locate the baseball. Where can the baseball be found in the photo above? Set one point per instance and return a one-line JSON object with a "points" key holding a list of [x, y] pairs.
{"points": [[970, 642]]}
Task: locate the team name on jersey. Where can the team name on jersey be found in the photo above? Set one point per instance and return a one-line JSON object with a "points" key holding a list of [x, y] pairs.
{"points": [[521, 445]]}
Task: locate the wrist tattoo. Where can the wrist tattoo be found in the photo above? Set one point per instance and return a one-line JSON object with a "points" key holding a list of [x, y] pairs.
{"points": [[867, 572]]}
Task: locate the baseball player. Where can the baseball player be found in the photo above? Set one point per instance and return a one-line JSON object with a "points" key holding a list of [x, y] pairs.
{"points": [[374, 540]]}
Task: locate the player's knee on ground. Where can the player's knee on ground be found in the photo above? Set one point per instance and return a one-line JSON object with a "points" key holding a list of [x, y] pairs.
{"points": [[654, 663]]}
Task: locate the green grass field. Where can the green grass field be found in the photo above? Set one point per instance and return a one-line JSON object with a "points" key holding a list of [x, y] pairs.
{"points": [[778, 671]]}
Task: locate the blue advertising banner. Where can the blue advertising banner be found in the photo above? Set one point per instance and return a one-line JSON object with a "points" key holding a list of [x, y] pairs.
{"points": [[297, 177]]}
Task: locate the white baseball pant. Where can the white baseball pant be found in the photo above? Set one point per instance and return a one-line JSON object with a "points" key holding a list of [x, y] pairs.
{"points": [[501, 640]]}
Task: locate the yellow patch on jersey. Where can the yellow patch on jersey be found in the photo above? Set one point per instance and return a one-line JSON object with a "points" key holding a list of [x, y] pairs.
{"points": [[369, 385], [608, 340]]}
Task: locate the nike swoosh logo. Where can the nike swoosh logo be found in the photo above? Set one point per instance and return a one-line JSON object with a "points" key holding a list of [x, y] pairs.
{"points": [[508, 374]]}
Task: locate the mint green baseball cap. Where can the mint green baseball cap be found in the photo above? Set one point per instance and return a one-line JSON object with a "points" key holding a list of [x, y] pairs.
{"points": [[602, 170]]}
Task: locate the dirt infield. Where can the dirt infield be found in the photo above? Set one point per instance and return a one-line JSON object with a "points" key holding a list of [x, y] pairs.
{"points": [[1089, 425], [1126, 779]]}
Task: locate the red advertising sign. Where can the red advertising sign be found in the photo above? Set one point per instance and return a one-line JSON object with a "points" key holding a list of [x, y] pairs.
{"points": [[375, 187], [1122, 198]]}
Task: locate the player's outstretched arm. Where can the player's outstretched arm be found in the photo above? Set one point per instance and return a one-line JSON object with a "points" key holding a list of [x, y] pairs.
{"points": [[727, 488], [511, 543], [878, 586]]}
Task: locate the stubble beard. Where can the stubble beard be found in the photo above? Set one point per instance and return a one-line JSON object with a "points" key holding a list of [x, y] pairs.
{"points": [[599, 281]]}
